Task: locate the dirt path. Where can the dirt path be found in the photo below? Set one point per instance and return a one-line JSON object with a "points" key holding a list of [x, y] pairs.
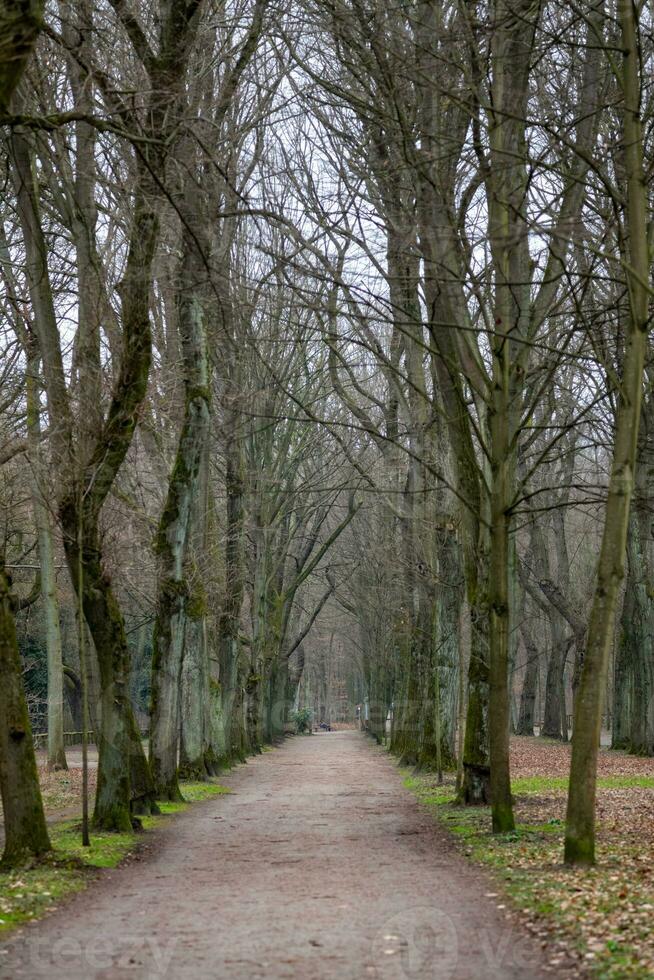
{"points": [[319, 865]]}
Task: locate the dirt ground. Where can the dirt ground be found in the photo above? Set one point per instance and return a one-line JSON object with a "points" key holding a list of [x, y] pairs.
{"points": [[319, 864]]}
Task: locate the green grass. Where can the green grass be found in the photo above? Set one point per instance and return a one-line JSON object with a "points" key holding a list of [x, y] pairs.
{"points": [[427, 793], [106, 850], [524, 786], [197, 792], [535, 785], [29, 893]]}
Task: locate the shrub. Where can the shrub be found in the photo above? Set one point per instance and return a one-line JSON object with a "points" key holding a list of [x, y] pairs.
{"points": [[302, 720]]}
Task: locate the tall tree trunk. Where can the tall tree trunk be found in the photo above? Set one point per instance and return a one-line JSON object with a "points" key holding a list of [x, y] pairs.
{"points": [[80, 503], [173, 534], [124, 782], [554, 723], [499, 600], [525, 725], [622, 671], [199, 692], [197, 698], [447, 643], [45, 534], [87, 473], [56, 752], [26, 835], [580, 816], [633, 675], [636, 654], [176, 523], [229, 645], [507, 180]]}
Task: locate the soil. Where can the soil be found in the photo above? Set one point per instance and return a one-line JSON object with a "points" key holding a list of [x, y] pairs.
{"points": [[319, 864]]}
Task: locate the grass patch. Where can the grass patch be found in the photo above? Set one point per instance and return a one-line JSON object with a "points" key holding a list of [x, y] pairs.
{"points": [[29, 893], [106, 850], [197, 792], [536, 785]]}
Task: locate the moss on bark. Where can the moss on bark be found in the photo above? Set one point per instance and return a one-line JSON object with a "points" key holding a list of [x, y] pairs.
{"points": [[26, 835]]}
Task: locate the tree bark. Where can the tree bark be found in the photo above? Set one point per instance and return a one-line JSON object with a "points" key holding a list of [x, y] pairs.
{"points": [[580, 816], [525, 725], [26, 835], [20, 24], [554, 717], [45, 536], [173, 534]]}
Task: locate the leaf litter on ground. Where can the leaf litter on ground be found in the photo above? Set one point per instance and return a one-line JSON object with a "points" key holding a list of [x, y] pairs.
{"points": [[604, 916]]}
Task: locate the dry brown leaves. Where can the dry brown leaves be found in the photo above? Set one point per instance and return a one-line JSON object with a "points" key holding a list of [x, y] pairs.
{"points": [[536, 757], [62, 790], [608, 912]]}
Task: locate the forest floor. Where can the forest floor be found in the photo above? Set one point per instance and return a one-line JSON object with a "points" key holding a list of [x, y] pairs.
{"points": [[605, 914], [61, 790], [318, 863]]}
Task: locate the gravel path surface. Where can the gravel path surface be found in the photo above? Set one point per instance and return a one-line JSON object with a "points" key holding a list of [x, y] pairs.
{"points": [[319, 865]]}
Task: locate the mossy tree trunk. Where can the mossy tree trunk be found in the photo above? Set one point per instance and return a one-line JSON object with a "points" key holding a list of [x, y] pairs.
{"points": [[26, 835], [633, 688], [197, 702], [203, 295], [507, 182], [526, 715], [417, 734], [446, 305], [554, 716], [622, 673], [200, 692], [82, 494], [230, 655], [44, 520], [174, 528], [633, 676], [88, 462], [580, 816], [124, 783]]}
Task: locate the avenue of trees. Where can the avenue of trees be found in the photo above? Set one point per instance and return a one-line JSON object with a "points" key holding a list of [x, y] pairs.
{"points": [[326, 374]]}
